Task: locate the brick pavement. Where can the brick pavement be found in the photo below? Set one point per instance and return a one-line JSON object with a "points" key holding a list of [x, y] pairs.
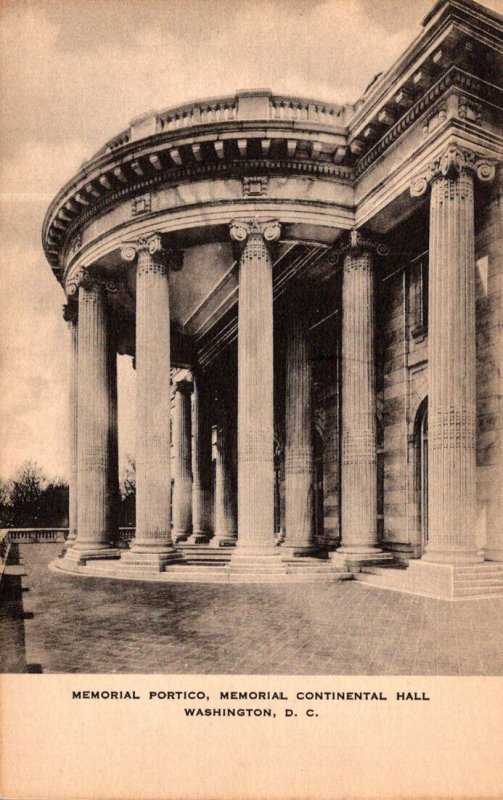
{"points": [[55, 623]]}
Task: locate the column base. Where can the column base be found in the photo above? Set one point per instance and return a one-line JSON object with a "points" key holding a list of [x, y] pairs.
{"points": [[180, 536], [354, 558], [67, 544], [80, 554], [224, 540], [289, 549], [199, 537], [493, 553], [452, 556]]}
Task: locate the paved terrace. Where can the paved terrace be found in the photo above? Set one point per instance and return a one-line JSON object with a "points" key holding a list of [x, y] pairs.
{"points": [[54, 623]]}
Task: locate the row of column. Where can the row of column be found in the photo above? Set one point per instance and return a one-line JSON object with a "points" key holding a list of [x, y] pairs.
{"points": [[451, 400]]}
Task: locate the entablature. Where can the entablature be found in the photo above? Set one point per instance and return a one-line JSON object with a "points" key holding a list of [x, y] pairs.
{"points": [[443, 85]]}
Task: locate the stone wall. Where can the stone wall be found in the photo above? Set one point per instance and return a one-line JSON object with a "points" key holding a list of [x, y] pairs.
{"points": [[489, 321]]}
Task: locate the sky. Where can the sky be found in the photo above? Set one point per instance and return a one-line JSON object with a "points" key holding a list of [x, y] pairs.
{"points": [[73, 74]]}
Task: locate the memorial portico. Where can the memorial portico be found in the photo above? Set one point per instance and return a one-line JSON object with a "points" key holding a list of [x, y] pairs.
{"points": [[311, 294]]}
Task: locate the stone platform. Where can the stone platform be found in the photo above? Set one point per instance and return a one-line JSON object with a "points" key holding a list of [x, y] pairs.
{"points": [[54, 623], [206, 564], [443, 581]]}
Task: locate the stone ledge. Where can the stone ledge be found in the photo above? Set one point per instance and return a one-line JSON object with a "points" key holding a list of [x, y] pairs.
{"points": [[189, 573], [441, 581]]}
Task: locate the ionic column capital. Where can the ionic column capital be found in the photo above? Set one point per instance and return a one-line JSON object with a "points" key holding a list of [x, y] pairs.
{"points": [[183, 385], [451, 164], [356, 242], [71, 313], [153, 246], [88, 280], [240, 230], [81, 277]]}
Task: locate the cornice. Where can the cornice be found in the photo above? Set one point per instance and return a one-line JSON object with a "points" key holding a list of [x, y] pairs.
{"points": [[259, 133], [460, 24], [232, 169], [456, 78]]}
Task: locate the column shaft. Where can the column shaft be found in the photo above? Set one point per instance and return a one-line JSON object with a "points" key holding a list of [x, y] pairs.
{"points": [[153, 473], [201, 462], [96, 521], [255, 397], [451, 372], [298, 438], [182, 442], [359, 460], [72, 429], [225, 506]]}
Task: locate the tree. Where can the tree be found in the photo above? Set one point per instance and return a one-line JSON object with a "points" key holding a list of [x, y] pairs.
{"points": [[25, 496], [54, 505], [128, 478], [5, 506], [128, 493]]}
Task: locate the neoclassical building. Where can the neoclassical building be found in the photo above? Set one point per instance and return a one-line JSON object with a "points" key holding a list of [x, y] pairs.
{"points": [[311, 295]]}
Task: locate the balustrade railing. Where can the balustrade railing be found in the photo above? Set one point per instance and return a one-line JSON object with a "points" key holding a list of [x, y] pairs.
{"points": [[46, 535], [294, 109], [205, 113], [244, 106]]}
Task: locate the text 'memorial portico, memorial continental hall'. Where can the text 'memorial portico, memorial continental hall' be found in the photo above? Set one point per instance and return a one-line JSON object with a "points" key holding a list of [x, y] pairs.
{"points": [[312, 297]]}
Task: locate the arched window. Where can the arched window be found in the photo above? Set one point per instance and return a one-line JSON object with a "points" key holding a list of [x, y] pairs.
{"points": [[421, 448]]}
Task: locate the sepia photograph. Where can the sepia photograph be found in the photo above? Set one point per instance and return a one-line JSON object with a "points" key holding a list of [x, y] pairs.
{"points": [[251, 358]]}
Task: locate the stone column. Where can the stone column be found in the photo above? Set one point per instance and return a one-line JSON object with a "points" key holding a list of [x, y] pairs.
{"points": [[255, 388], [96, 504], [299, 465], [152, 546], [70, 314], [201, 462], [451, 356], [225, 517], [358, 441], [182, 443]]}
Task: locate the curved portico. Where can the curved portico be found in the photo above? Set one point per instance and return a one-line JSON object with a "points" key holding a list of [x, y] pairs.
{"points": [[239, 249]]}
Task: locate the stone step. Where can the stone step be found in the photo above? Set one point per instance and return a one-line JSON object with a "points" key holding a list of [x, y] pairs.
{"points": [[486, 580], [386, 571], [488, 566], [315, 570], [479, 591]]}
